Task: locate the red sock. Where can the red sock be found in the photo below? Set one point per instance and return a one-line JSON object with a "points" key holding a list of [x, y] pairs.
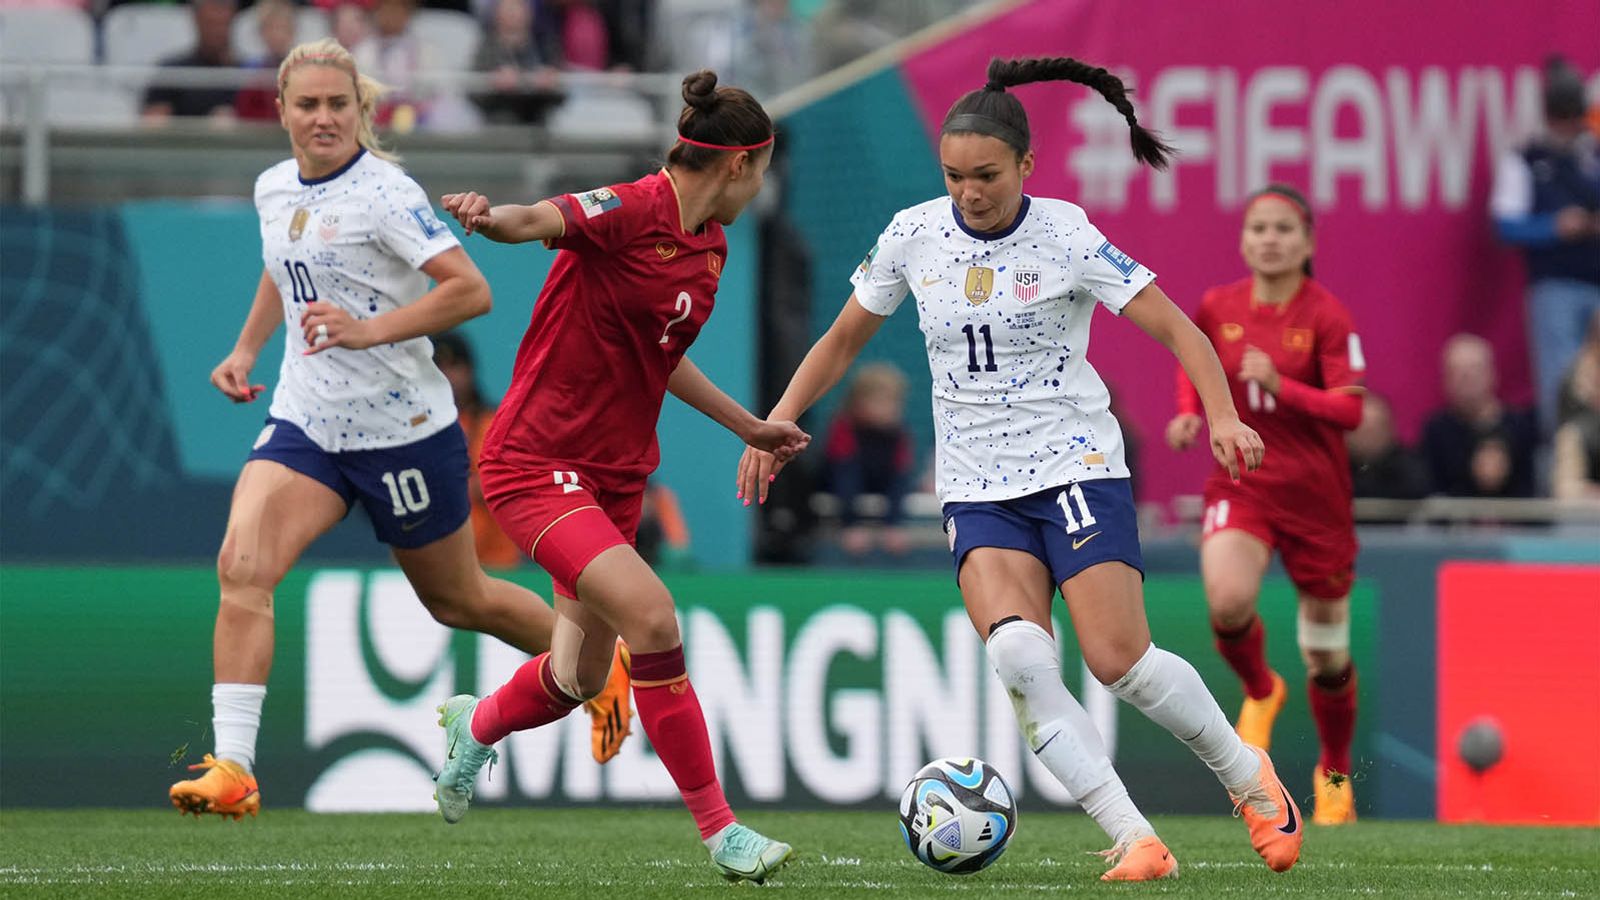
{"points": [[1333, 705], [1246, 652], [670, 713], [530, 699]]}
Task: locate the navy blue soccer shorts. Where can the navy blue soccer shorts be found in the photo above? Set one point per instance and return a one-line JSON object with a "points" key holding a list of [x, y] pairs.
{"points": [[415, 494], [1068, 528]]}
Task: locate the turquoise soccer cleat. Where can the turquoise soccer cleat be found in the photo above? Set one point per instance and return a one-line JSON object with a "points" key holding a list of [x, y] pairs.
{"points": [[744, 854], [463, 757]]}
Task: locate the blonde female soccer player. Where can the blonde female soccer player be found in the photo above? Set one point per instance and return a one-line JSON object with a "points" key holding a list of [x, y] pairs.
{"points": [[360, 413]]}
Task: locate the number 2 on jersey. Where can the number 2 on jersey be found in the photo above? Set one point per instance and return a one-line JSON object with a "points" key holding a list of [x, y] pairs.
{"points": [[1084, 518], [682, 306]]}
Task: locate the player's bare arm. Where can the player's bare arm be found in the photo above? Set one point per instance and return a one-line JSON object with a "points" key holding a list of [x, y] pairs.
{"points": [[822, 368], [232, 375], [508, 223], [689, 384], [1155, 313], [460, 293]]}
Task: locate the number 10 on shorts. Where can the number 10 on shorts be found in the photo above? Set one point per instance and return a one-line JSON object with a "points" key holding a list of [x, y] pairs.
{"points": [[407, 491], [1084, 519]]}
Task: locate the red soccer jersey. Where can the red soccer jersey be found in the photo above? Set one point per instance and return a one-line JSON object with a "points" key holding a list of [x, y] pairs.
{"points": [[1310, 339], [626, 296]]}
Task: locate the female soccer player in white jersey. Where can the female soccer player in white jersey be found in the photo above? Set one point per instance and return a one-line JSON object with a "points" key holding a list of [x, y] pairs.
{"points": [[1030, 465], [360, 412]]}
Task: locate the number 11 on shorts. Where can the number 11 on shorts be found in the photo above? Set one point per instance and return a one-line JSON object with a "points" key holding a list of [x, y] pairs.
{"points": [[1084, 518]]}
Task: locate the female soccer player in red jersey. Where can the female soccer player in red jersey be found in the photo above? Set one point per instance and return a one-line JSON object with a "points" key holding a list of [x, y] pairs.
{"points": [[1031, 471], [565, 462], [1297, 370]]}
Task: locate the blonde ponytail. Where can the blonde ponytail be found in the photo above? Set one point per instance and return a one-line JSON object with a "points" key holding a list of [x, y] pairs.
{"points": [[329, 52]]}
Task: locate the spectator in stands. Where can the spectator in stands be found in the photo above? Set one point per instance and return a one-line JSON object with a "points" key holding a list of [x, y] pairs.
{"points": [[663, 536], [1381, 466], [1575, 386], [452, 353], [1576, 468], [275, 21], [1576, 472], [1475, 446], [869, 452], [351, 22], [572, 35], [394, 54], [213, 23], [630, 25], [525, 87], [1546, 201]]}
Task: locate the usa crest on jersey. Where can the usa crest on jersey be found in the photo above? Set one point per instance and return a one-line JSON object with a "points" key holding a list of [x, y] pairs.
{"points": [[1025, 285]]}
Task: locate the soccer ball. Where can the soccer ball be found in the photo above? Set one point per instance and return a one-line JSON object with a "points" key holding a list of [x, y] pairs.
{"points": [[957, 815]]}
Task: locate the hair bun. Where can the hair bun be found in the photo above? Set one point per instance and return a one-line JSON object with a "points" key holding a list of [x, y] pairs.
{"points": [[700, 89]]}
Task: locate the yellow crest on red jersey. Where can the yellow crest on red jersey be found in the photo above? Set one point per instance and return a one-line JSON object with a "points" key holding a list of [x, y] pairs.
{"points": [[667, 249], [1297, 338], [1232, 331], [714, 263], [980, 284]]}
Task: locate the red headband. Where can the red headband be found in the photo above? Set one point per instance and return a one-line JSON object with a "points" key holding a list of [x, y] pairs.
{"points": [[694, 143], [1299, 208]]}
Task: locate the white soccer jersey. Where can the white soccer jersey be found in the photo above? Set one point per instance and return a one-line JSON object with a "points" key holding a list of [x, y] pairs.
{"points": [[1016, 406], [355, 238]]}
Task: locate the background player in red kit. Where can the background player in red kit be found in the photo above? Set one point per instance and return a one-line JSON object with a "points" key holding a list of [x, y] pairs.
{"points": [[565, 462], [1298, 370]]}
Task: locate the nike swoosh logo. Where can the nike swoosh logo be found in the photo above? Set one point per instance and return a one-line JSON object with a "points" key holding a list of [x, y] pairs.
{"points": [[1046, 743], [413, 526], [930, 282], [1291, 826], [1079, 542]]}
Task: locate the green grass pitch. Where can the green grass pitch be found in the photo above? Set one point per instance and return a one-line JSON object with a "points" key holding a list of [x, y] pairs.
{"points": [[652, 853]]}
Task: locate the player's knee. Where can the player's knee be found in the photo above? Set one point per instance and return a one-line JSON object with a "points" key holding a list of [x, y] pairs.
{"points": [[1325, 646], [448, 611], [1022, 654], [655, 628], [242, 572], [1108, 661], [1232, 603]]}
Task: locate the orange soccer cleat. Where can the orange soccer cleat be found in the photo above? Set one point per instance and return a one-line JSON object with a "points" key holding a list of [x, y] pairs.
{"points": [[226, 789], [1256, 716], [1276, 829], [1146, 859], [1336, 799], [611, 710]]}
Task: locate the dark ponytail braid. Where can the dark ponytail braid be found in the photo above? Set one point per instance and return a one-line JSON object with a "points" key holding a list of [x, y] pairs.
{"points": [[993, 111]]}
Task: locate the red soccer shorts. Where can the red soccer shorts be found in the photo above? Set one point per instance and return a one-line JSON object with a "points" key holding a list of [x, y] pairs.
{"points": [[1318, 551], [558, 517]]}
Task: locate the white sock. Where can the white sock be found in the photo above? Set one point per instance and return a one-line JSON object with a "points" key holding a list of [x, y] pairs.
{"points": [[714, 842], [1170, 693], [1059, 732], [235, 718]]}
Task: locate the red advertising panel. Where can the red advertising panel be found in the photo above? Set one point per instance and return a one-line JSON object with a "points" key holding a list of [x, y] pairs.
{"points": [[1519, 666]]}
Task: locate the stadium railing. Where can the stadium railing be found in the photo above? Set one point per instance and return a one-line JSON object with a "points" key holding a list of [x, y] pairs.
{"points": [[65, 127]]}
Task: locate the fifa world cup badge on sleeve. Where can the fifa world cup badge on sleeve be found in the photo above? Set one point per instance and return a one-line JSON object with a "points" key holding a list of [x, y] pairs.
{"points": [[1122, 261], [597, 201]]}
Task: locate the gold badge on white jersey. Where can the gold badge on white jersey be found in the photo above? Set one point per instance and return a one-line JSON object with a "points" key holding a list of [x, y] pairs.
{"points": [[297, 224], [980, 284]]}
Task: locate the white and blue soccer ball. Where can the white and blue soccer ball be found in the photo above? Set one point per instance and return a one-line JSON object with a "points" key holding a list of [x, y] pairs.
{"points": [[958, 815]]}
